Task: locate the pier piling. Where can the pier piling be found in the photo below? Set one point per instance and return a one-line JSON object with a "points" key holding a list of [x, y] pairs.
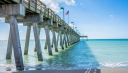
{"points": [[61, 41], [35, 14], [9, 47], [37, 41], [27, 40], [48, 40], [54, 39], [16, 42], [39, 38], [58, 38]]}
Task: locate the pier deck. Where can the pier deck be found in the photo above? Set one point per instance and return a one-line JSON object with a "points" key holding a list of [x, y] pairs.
{"points": [[34, 13]]}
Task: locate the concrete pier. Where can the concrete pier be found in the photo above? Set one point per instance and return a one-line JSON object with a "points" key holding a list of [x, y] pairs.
{"points": [[9, 47], [64, 39], [39, 37], [48, 40], [54, 40], [45, 47], [27, 40], [34, 14], [16, 42], [14, 12], [37, 41], [67, 38], [58, 38], [61, 40]]}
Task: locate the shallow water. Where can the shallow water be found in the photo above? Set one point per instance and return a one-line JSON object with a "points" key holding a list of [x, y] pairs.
{"points": [[82, 55]]}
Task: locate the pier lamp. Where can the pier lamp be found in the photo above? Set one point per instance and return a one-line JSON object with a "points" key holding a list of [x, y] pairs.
{"points": [[62, 8], [73, 25], [76, 29]]}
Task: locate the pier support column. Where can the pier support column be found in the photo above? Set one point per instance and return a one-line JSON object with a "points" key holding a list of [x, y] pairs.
{"points": [[27, 40], [64, 40], [16, 42], [39, 38], [45, 47], [58, 38], [70, 38], [54, 39], [37, 41], [67, 39], [61, 41], [48, 40], [9, 48]]}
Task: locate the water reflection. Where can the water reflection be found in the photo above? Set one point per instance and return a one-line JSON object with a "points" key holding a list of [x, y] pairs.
{"points": [[78, 56]]}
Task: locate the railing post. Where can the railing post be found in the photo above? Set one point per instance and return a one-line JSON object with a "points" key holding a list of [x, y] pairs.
{"points": [[29, 3], [21, 1], [36, 5]]}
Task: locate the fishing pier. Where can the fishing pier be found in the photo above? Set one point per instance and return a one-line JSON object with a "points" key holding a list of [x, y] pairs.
{"points": [[34, 13]]}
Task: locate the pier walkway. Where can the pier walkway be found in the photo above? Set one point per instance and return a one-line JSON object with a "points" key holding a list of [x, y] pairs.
{"points": [[34, 13]]}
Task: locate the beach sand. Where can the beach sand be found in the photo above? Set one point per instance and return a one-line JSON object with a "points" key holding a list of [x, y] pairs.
{"points": [[103, 70]]}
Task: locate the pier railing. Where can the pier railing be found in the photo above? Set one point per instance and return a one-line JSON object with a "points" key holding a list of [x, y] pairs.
{"points": [[35, 13], [36, 6]]}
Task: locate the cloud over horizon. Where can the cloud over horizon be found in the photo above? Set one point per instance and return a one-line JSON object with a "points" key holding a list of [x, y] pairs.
{"points": [[54, 5]]}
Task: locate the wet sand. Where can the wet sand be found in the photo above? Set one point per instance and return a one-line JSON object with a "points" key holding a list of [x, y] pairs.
{"points": [[103, 70]]}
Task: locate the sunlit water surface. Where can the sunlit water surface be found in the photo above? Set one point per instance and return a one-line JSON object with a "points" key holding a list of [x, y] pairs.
{"points": [[82, 55]]}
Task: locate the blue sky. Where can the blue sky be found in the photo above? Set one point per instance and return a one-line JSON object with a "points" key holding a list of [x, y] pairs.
{"points": [[99, 19]]}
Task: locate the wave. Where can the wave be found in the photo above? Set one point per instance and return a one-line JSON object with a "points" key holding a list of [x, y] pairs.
{"points": [[114, 65]]}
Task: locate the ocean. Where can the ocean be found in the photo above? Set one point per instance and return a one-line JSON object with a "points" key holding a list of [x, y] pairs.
{"points": [[94, 53]]}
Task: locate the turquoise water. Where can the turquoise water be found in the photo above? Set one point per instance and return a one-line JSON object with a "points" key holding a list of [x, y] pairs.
{"points": [[82, 55]]}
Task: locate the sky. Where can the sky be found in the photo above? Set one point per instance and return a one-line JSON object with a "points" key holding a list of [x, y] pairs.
{"points": [[99, 19]]}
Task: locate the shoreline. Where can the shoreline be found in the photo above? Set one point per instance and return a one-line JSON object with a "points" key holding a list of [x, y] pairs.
{"points": [[101, 70]]}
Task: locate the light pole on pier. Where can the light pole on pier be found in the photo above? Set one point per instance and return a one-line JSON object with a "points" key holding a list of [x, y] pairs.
{"points": [[62, 8], [73, 25], [76, 29]]}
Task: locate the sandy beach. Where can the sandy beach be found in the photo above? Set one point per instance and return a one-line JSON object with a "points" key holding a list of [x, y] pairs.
{"points": [[103, 70]]}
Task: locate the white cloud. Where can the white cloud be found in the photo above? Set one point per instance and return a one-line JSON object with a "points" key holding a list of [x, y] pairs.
{"points": [[20, 24], [2, 19], [54, 4], [111, 15], [81, 3], [70, 2]]}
